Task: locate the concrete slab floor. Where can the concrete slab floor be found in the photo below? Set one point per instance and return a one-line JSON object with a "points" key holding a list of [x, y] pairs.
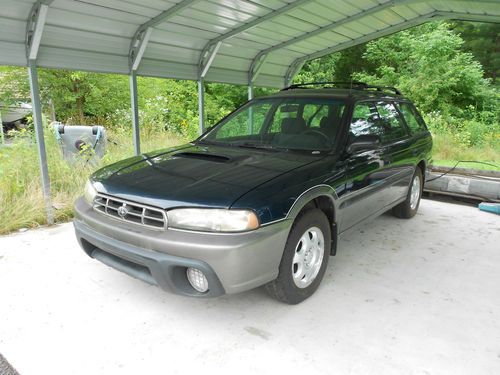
{"points": [[418, 296]]}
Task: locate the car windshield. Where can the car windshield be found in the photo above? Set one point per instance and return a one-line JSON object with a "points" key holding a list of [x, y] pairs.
{"points": [[305, 124]]}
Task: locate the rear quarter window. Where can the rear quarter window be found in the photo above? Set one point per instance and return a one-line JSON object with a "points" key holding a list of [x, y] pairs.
{"points": [[412, 118]]}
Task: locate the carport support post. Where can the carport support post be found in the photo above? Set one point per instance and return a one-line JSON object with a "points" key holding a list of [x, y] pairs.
{"points": [[42, 153], [250, 111], [201, 105], [135, 112], [2, 140]]}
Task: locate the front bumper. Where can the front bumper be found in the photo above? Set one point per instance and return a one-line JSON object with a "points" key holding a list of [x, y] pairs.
{"points": [[232, 262]]}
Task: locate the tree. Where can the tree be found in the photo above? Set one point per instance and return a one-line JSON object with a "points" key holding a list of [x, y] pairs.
{"points": [[338, 66], [483, 41], [428, 65], [79, 95], [14, 85]]}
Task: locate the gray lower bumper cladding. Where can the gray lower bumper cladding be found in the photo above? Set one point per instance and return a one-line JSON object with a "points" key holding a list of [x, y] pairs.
{"points": [[166, 271]]}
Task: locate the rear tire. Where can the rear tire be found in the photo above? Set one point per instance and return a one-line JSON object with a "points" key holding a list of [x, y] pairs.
{"points": [[304, 260], [409, 208]]}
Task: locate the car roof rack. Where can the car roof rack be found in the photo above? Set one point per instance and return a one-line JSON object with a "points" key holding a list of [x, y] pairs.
{"points": [[353, 85]]}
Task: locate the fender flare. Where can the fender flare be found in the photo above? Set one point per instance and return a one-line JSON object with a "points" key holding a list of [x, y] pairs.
{"points": [[311, 194]]}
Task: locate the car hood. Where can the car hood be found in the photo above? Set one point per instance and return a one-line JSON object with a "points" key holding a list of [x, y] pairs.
{"points": [[195, 175]]}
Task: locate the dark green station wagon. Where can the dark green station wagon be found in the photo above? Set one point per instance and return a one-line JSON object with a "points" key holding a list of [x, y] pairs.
{"points": [[262, 197]]}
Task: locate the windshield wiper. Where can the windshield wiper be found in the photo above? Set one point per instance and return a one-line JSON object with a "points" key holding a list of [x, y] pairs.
{"points": [[260, 146]]}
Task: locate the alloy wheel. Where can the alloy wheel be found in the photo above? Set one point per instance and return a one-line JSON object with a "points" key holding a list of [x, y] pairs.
{"points": [[309, 253]]}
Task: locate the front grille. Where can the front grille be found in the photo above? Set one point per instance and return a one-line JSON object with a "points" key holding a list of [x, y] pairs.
{"points": [[130, 212]]}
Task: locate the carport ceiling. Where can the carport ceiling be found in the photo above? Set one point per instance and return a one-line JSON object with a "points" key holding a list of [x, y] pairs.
{"points": [[220, 40]]}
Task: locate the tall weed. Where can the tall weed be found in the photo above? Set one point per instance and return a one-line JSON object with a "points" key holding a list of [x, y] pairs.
{"points": [[21, 198]]}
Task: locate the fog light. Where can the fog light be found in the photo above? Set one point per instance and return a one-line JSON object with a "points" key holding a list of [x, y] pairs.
{"points": [[197, 279]]}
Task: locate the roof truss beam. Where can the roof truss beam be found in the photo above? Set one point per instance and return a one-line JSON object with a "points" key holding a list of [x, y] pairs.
{"points": [[204, 68], [247, 26], [436, 15], [366, 38], [364, 13], [143, 33], [469, 17], [292, 71], [138, 47], [256, 69], [34, 28], [169, 13], [330, 27]]}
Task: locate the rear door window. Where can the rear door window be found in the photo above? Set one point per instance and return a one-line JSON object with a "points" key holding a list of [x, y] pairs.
{"points": [[391, 122], [365, 120]]}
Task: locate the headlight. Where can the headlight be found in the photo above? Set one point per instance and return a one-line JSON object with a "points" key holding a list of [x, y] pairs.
{"points": [[212, 220], [90, 192]]}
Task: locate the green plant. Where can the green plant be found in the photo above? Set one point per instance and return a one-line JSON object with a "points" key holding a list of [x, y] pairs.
{"points": [[21, 198]]}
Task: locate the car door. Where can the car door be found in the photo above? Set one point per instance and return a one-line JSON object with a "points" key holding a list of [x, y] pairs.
{"points": [[360, 193], [421, 143], [398, 154]]}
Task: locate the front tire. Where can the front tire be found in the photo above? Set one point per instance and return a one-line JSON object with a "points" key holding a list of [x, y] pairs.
{"points": [[304, 260], [409, 207]]}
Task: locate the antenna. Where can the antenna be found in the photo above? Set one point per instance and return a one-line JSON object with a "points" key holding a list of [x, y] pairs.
{"points": [[350, 89]]}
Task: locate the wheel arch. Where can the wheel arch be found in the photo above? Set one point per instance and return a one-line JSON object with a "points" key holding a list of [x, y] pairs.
{"points": [[423, 166], [324, 198]]}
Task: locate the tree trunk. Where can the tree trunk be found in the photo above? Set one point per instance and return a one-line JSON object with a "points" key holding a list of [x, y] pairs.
{"points": [[80, 101], [79, 106]]}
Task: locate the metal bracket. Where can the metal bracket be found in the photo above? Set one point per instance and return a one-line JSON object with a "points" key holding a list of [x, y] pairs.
{"points": [[138, 47], [292, 71], [255, 68], [249, 25], [34, 28], [211, 52], [143, 33]]}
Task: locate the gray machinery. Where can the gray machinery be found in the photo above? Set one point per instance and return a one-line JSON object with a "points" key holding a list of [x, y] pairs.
{"points": [[80, 142]]}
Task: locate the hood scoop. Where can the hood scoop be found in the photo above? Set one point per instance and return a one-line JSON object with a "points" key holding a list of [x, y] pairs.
{"points": [[202, 156]]}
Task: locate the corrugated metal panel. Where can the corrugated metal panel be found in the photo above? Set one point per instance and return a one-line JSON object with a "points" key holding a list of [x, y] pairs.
{"points": [[96, 24], [12, 53], [91, 9], [95, 35], [51, 57], [15, 9], [60, 37], [171, 53], [12, 30]]}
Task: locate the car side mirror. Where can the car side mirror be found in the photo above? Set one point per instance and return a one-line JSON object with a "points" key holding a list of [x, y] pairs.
{"points": [[363, 143]]}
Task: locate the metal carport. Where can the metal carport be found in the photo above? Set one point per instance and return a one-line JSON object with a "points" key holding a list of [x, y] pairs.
{"points": [[246, 42]]}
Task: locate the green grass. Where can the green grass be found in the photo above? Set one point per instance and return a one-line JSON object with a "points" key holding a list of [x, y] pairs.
{"points": [[451, 163], [446, 152], [21, 199]]}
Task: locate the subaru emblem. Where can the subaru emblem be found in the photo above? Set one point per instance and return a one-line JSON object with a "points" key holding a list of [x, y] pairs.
{"points": [[123, 211]]}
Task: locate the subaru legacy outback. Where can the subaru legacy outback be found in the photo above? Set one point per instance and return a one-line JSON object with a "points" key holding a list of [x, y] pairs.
{"points": [[262, 197]]}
